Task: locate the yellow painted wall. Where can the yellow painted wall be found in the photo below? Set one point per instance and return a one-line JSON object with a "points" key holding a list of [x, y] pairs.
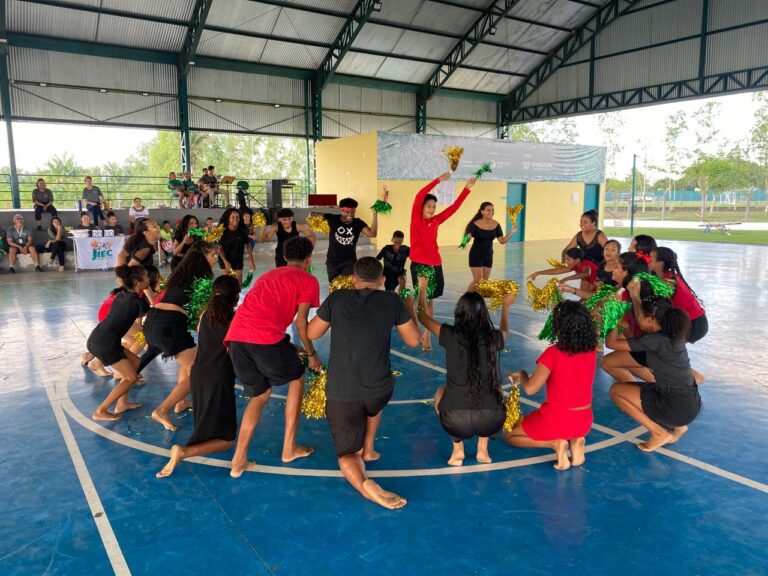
{"points": [[550, 213], [402, 192], [347, 167]]}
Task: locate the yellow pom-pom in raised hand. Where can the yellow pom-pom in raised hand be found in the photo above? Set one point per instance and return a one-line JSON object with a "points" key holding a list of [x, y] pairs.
{"points": [[258, 219], [318, 223], [453, 154], [513, 212], [496, 291]]}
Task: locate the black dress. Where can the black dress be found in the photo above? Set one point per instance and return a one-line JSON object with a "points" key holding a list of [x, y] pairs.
{"points": [[143, 252], [481, 252], [233, 245], [282, 237], [212, 382], [105, 340], [592, 251]]}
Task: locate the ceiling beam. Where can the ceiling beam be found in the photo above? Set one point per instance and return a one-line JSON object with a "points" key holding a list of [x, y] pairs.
{"points": [[108, 12], [508, 16], [194, 32], [485, 25], [580, 37]]}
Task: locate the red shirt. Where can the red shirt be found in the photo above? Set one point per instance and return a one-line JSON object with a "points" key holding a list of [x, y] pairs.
{"points": [[634, 329], [105, 307], [571, 375], [684, 298], [424, 231], [592, 267], [270, 306]]}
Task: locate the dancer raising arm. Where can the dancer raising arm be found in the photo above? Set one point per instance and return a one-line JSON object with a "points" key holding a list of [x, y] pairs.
{"points": [[424, 250], [484, 230]]}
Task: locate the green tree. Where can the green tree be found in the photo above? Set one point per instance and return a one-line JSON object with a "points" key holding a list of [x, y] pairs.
{"points": [[707, 138], [676, 126], [558, 131], [759, 141], [611, 125], [523, 133]]}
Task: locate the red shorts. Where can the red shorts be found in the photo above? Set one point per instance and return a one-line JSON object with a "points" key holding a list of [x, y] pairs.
{"points": [[554, 423]]}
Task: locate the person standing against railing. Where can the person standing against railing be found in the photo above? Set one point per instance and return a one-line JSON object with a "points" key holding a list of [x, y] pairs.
{"points": [[43, 201], [137, 212], [93, 200]]}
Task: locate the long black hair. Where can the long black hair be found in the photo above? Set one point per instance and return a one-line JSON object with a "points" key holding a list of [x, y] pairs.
{"points": [[130, 276], [193, 265], [183, 228], [224, 296], [674, 322], [644, 243], [51, 228], [668, 258], [224, 220], [477, 216], [138, 235], [632, 264], [473, 327], [573, 327], [153, 274]]}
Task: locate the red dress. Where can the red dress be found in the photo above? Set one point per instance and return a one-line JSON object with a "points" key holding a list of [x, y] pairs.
{"points": [[569, 386], [684, 298]]}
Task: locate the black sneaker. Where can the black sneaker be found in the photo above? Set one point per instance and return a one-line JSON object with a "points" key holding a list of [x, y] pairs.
{"points": [[38, 268], [11, 270]]}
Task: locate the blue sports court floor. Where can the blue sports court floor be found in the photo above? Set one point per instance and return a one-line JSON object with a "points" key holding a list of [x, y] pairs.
{"points": [[82, 498]]}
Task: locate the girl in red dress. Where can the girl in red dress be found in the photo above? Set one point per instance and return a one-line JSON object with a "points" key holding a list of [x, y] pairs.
{"points": [[568, 370]]}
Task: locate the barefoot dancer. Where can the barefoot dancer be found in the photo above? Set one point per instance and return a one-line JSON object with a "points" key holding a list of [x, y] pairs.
{"points": [[212, 380], [568, 370], [360, 380], [471, 403], [262, 353], [166, 325], [668, 405], [424, 250], [105, 340], [583, 270], [484, 230]]}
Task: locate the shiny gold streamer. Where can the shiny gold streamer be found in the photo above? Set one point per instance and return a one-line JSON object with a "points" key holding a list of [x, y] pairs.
{"points": [[555, 263], [341, 283], [259, 219], [514, 415], [453, 154], [513, 212], [318, 223], [541, 299], [313, 401], [140, 339], [496, 291]]}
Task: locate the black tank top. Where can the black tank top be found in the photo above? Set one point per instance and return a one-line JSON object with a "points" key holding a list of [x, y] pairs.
{"points": [[283, 236], [592, 251]]}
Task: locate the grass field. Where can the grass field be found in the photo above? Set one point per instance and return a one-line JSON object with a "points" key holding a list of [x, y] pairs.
{"points": [[736, 237]]}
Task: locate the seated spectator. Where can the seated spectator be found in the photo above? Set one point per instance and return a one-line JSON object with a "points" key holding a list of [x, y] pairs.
{"points": [[93, 200], [177, 189], [43, 201], [191, 190], [212, 183], [56, 242], [166, 242], [137, 212], [19, 240], [202, 184], [85, 223], [113, 225]]}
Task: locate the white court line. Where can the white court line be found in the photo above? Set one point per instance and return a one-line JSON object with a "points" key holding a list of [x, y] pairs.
{"points": [[108, 538]]}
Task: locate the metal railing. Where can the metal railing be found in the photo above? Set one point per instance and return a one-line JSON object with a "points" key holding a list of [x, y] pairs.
{"points": [[120, 190]]}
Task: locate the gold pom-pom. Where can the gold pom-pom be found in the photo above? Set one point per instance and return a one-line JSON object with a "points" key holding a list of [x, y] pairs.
{"points": [[313, 401], [496, 291], [341, 283], [555, 263], [141, 341], [543, 298], [258, 219], [513, 212], [318, 223], [514, 415], [453, 154]]}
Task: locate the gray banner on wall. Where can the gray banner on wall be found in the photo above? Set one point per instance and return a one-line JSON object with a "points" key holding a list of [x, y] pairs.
{"points": [[420, 157]]}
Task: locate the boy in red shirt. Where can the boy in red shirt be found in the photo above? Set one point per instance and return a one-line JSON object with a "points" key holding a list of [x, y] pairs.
{"points": [[261, 352], [424, 251]]}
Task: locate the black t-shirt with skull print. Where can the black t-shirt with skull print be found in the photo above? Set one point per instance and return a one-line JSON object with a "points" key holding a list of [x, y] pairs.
{"points": [[342, 240]]}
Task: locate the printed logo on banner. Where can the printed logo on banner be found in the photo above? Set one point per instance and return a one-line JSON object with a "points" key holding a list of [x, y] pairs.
{"points": [[102, 249]]}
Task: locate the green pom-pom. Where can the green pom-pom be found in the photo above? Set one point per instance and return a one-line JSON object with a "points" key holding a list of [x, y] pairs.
{"points": [[465, 240], [659, 286], [547, 333], [309, 269], [382, 207], [248, 279], [486, 168], [196, 233], [199, 295], [428, 272]]}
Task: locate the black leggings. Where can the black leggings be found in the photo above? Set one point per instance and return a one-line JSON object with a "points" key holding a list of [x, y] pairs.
{"points": [[57, 251]]}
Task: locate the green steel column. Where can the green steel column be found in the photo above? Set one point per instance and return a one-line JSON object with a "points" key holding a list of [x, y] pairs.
{"points": [[186, 157], [5, 98], [502, 129], [421, 115], [632, 203]]}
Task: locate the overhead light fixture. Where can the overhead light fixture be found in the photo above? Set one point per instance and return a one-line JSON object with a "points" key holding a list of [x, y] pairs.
{"points": [[492, 30], [277, 105], [43, 84], [218, 100], [377, 6], [145, 93], [103, 90], [191, 62]]}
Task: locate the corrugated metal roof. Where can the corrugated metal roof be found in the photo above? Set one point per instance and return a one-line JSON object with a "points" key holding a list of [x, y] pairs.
{"points": [[338, 5], [361, 65], [29, 18], [737, 50], [423, 45], [220, 45], [206, 83], [358, 99], [724, 13], [176, 9], [399, 11], [337, 124], [305, 25], [246, 118], [140, 34], [461, 129], [405, 70], [469, 110], [556, 12], [297, 56], [444, 18], [243, 15], [571, 81]]}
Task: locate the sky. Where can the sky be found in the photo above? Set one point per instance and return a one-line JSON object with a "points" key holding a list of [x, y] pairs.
{"points": [[36, 143]]}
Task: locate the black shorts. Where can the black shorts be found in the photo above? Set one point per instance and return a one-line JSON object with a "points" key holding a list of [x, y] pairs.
{"points": [[335, 269], [392, 279], [108, 352], [699, 329], [639, 357], [167, 330], [347, 420], [465, 424], [439, 279], [669, 409], [261, 366], [479, 259], [236, 263]]}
